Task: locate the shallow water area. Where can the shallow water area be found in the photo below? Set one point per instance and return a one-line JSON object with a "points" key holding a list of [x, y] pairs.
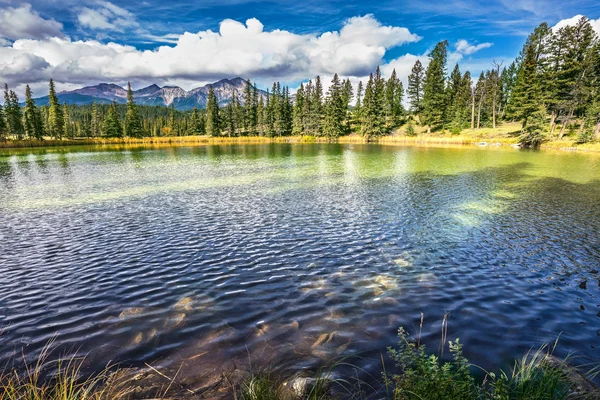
{"points": [[290, 255]]}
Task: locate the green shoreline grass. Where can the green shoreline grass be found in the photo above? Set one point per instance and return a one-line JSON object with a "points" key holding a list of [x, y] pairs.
{"points": [[503, 136], [418, 375]]}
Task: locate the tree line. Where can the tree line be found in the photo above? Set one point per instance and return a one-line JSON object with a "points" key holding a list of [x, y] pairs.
{"points": [[552, 88]]}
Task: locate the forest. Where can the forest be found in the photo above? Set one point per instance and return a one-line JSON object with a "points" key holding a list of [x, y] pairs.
{"points": [[552, 88]]}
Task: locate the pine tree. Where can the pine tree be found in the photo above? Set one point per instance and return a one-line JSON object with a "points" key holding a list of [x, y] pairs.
{"points": [[212, 114], [316, 108], [96, 122], [373, 109], [333, 121], [452, 89], [55, 116], [347, 95], [527, 98], [196, 123], [434, 94], [393, 99], [112, 127], [3, 130], [460, 109], [260, 116], [298, 113], [308, 109], [416, 80], [13, 114], [133, 121], [358, 107], [34, 127], [68, 128]]}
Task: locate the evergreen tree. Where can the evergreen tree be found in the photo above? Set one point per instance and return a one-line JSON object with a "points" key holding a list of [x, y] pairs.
{"points": [[316, 108], [298, 113], [460, 109], [434, 96], [34, 127], [96, 122], [527, 98], [3, 129], [333, 122], [373, 109], [260, 116], [133, 121], [13, 114], [358, 106], [393, 99], [212, 114], [55, 115], [68, 128], [347, 95], [416, 80], [112, 127], [196, 125], [308, 109]]}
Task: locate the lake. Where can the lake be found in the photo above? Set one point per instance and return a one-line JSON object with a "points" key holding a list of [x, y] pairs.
{"points": [[291, 254]]}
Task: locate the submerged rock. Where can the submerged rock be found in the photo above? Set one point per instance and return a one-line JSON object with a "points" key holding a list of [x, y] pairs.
{"points": [[185, 304], [401, 262], [386, 282], [299, 386], [174, 321], [132, 311]]}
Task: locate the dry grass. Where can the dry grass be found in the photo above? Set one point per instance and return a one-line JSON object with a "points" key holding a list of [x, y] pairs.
{"points": [[67, 383], [506, 134]]}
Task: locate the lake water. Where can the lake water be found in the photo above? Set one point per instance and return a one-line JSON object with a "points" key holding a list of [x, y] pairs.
{"points": [[288, 255]]}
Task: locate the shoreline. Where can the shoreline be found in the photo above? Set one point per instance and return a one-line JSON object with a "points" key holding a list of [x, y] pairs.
{"points": [[417, 141]]}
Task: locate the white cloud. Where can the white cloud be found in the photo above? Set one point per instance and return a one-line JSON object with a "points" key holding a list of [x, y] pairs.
{"points": [[573, 21], [465, 48], [23, 22], [237, 49], [106, 16]]}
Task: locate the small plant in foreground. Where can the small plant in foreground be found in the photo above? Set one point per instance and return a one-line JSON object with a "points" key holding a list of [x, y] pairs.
{"points": [[426, 377]]}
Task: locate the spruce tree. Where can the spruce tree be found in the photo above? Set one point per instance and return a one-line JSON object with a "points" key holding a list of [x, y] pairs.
{"points": [[3, 130], [133, 121], [68, 129], [96, 122], [527, 93], [393, 100], [212, 114], [434, 94], [13, 114], [333, 122], [260, 116], [34, 127], [416, 79], [308, 109], [112, 127], [373, 108], [55, 115], [316, 108], [359, 102], [298, 113]]}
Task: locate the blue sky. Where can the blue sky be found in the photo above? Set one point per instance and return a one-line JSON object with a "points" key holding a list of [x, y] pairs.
{"points": [[85, 42]]}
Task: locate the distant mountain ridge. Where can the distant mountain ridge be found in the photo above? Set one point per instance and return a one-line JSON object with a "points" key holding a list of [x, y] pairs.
{"points": [[154, 95]]}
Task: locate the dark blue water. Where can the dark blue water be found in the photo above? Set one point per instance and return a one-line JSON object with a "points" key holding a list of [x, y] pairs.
{"points": [[291, 255]]}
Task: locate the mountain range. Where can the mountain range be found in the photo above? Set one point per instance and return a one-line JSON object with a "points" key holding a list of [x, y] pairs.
{"points": [[154, 95]]}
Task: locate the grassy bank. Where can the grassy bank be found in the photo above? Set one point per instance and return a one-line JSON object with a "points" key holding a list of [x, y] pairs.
{"points": [[504, 135], [418, 374]]}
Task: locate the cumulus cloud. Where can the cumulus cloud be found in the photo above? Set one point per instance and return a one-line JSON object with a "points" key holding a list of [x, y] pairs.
{"points": [[573, 21], [23, 22], [465, 48], [106, 16], [236, 49]]}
